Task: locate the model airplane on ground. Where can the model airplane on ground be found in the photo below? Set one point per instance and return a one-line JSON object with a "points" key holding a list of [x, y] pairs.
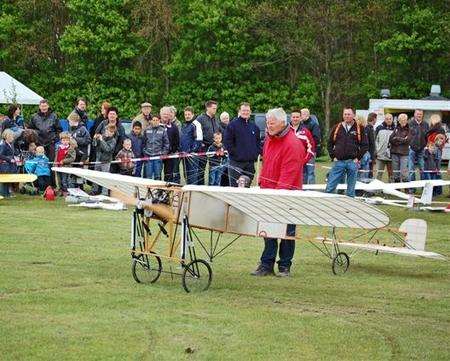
{"points": [[16, 178], [391, 189], [184, 215]]}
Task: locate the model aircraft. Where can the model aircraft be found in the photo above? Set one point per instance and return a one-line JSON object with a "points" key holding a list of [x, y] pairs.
{"points": [[183, 214], [391, 189], [16, 178]]}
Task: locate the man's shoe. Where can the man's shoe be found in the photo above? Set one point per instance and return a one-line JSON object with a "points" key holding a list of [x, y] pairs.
{"points": [[261, 271], [284, 272]]}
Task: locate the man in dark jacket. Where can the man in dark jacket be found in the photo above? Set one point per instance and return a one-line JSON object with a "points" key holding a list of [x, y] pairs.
{"points": [[190, 142], [242, 141], [347, 144], [171, 166], [46, 122], [155, 143], [418, 130], [210, 125]]}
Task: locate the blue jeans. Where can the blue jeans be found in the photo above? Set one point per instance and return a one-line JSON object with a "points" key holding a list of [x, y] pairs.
{"points": [[191, 170], [215, 174], [340, 168], [364, 167], [287, 248], [309, 176], [153, 169], [138, 169], [415, 158]]}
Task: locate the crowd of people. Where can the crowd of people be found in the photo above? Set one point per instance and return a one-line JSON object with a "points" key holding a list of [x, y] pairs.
{"points": [[158, 144], [227, 148], [230, 147]]}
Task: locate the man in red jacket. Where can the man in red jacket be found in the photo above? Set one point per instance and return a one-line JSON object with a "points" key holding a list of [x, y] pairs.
{"points": [[284, 157]]}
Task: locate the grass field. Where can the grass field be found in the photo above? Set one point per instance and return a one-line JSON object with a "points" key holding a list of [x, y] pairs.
{"points": [[66, 293]]}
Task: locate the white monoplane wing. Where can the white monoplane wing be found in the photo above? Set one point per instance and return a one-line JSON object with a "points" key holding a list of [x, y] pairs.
{"points": [[266, 212], [122, 183]]}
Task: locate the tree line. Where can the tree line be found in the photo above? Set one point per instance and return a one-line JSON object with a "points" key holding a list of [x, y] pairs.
{"points": [[320, 54]]}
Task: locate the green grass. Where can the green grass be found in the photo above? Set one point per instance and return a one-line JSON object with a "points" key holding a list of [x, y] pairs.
{"points": [[66, 293]]}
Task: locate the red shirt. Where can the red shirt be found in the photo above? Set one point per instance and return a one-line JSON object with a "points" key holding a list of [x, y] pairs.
{"points": [[61, 152], [284, 157]]}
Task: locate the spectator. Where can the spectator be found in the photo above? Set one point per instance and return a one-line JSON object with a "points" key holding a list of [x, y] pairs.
{"points": [[65, 156], [155, 143], [46, 122], [224, 121], [190, 142], [80, 110], [13, 121], [399, 145], [171, 165], [347, 144], [365, 160], [303, 133], [145, 116], [209, 126], [382, 134], [103, 117], [216, 160], [432, 161], [40, 166], [282, 169], [370, 130], [7, 159], [125, 156], [136, 145], [436, 129], [113, 119], [418, 130], [105, 143], [312, 124], [79, 132], [242, 141]]}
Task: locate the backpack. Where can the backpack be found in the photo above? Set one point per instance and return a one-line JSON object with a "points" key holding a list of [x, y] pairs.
{"points": [[358, 132], [49, 194]]}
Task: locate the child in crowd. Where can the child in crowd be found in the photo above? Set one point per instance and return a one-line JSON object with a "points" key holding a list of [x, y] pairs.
{"points": [[7, 159], [105, 144], [216, 161], [65, 156], [125, 155], [243, 181], [39, 165], [136, 146], [155, 143]]}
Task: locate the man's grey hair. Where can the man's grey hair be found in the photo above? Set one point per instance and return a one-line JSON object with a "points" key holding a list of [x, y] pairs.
{"points": [[173, 110], [165, 109], [278, 114]]}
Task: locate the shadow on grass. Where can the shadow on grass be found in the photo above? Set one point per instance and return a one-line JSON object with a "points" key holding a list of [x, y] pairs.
{"points": [[375, 270]]}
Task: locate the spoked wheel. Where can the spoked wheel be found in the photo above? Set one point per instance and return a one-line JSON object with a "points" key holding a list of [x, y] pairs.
{"points": [[146, 268], [197, 276], [340, 263]]}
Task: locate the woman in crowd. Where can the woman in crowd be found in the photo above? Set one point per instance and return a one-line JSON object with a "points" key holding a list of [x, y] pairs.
{"points": [[399, 149], [7, 159]]}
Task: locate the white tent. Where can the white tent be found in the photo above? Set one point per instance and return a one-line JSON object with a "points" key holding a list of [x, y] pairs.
{"points": [[13, 91]]}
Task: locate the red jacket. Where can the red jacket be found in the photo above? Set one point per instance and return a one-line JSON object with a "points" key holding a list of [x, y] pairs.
{"points": [[284, 157]]}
